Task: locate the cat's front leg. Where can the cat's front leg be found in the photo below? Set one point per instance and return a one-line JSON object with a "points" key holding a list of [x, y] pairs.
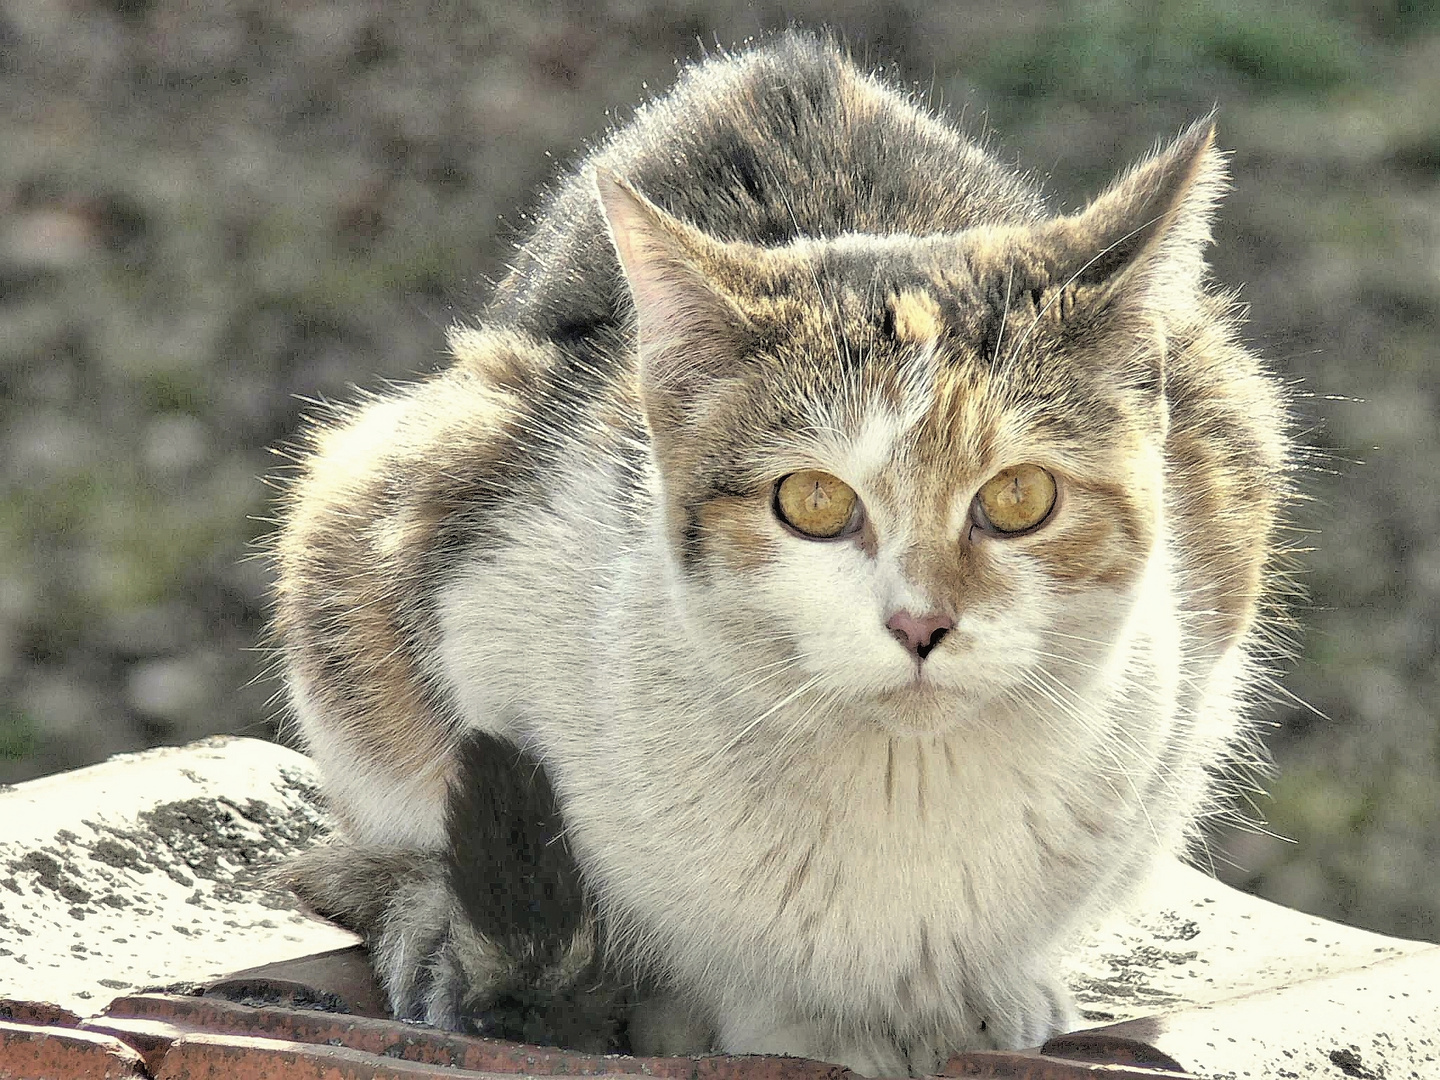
{"points": [[1017, 1016], [400, 901], [434, 966], [429, 961]]}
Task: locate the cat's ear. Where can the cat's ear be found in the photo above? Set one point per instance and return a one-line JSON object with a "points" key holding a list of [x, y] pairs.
{"points": [[1146, 235], [688, 331]]}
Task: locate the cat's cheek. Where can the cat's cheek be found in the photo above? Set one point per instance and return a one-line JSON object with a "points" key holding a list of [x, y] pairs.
{"points": [[730, 533], [830, 595]]}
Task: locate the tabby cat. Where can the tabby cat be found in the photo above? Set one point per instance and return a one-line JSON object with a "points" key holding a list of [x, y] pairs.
{"points": [[854, 564]]}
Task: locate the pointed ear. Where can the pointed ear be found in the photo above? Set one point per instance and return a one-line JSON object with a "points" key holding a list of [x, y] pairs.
{"points": [[688, 331], [1147, 232]]}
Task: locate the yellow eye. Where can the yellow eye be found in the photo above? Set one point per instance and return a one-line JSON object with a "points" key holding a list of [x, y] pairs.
{"points": [[1016, 499], [816, 504]]}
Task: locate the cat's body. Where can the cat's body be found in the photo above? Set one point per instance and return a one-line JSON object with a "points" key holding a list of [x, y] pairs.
{"points": [[840, 797]]}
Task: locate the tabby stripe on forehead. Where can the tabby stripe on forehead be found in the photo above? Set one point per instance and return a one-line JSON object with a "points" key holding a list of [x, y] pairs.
{"points": [[916, 317]]}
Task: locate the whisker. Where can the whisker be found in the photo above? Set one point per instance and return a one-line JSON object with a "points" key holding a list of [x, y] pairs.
{"points": [[751, 725]]}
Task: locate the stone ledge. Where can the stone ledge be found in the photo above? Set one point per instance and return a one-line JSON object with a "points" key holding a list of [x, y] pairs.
{"points": [[143, 871]]}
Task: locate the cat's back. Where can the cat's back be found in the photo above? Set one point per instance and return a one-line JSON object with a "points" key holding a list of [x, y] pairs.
{"points": [[787, 139]]}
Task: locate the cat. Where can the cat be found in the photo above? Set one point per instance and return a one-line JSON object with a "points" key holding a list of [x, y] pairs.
{"points": [[869, 557]]}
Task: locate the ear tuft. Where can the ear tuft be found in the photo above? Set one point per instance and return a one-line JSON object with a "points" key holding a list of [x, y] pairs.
{"points": [[1152, 223]]}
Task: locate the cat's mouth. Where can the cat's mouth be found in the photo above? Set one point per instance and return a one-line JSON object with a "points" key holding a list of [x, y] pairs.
{"points": [[922, 688], [927, 703], [922, 706]]}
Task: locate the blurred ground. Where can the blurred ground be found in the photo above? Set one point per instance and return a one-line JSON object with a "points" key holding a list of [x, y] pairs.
{"points": [[209, 209]]}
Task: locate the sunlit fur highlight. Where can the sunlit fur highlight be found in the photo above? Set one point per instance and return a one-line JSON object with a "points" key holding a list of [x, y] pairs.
{"points": [[816, 843]]}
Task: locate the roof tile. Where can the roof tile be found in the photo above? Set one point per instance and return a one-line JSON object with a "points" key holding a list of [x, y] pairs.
{"points": [[41, 1052]]}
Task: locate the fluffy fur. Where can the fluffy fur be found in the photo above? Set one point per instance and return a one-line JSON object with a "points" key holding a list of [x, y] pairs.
{"points": [[807, 840], [492, 935]]}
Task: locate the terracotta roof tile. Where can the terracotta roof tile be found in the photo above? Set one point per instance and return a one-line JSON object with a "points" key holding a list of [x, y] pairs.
{"points": [[36, 1052], [171, 1036]]}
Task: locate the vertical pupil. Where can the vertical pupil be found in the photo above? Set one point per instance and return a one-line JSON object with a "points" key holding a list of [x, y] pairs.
{"points": [[817, 499]]}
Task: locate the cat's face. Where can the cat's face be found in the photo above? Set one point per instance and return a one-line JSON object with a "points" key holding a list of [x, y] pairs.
{"points": [[920, 474], [877, 503]]}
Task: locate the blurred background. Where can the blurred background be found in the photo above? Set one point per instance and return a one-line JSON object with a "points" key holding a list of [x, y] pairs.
{"points": [[209, 211]]}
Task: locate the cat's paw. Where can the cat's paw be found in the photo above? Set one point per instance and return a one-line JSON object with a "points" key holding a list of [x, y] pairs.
{"points": [[429, 961], [1030, 1014], [439, 969], [433, 966], [754, 1029]]}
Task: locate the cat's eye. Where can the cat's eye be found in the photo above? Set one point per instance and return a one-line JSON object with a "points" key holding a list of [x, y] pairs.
{"points": [[1015, 500], [817, 505]]}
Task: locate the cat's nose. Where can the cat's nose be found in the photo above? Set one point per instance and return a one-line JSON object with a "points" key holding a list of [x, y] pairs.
{"points": [[919, 633]]}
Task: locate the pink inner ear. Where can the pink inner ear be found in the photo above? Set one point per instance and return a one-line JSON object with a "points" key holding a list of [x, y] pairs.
{"points": [[634, 231], [684, 325]]}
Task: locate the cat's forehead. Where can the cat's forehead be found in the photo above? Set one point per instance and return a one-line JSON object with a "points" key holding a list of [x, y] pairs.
{"points": [[864, 296], [942, 341], [883, 323], [900, 408]]}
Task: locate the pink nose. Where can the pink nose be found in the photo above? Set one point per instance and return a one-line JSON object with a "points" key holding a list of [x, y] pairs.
{"points": [[919, 633]]}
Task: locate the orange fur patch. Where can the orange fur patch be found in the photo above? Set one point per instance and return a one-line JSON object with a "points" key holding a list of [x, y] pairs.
{"points": [[917, 317], [735, 532]]}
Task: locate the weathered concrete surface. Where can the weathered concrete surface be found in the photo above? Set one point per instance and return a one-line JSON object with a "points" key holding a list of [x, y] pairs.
{"points": [[141, 871], [1379, 1022], [1191, 941]]}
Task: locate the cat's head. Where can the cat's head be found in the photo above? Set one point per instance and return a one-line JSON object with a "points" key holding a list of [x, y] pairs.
{"points": [[921, 473]]}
